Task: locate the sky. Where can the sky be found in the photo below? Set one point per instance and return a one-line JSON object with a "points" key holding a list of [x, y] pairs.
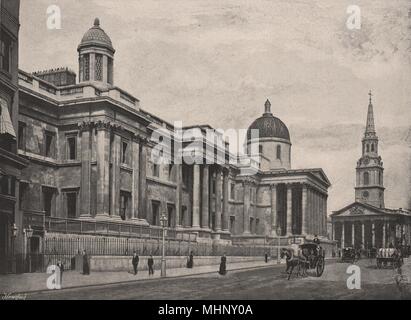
{"points": [[216, 62]]}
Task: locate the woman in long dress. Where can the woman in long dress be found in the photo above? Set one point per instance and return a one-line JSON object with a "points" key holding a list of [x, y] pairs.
{"points": [[86, 267], [223, 265]]}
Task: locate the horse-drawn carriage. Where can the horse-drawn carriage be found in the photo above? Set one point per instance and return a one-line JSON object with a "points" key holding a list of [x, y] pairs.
{"points": [[307, 256], [348, 254], [389, 257]]}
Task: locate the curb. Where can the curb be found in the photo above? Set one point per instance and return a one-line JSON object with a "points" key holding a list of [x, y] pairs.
{"points": [[141, 280]]}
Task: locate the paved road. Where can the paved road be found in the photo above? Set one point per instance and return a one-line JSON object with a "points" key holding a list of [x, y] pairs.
{"points": [[261, 283]]}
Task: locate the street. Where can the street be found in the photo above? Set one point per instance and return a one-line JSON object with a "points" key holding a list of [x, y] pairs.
{"points": [[260, 283]]}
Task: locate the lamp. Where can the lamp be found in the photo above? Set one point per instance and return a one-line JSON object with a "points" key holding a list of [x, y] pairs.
{"points": [[163, 221], [14, 230]]}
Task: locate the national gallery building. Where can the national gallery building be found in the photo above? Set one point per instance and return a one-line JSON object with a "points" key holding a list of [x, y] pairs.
{"points": [[88, 147]]}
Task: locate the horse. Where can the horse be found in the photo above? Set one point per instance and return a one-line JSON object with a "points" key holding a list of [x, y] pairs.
{"points": [[293, 261]]}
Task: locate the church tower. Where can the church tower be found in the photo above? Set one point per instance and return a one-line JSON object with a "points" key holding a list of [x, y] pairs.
{"points": [[96, 56], [369, 183]]}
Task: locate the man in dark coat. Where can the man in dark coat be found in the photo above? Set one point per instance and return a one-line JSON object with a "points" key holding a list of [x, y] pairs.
{"points": [[190, 260], [86, 267], [266, 257], [135, 261], [150, 263], [223, 265]]}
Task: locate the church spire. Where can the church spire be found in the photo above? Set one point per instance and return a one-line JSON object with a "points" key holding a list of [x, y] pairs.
{"points": [[370, 127]]}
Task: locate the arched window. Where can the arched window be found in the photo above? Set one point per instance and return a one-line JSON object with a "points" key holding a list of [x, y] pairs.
{"points": [[279, 152], [366, 178], [372, 147]]}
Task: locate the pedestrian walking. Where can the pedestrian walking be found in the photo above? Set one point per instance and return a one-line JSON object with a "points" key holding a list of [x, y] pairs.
{"points": [[223, 265], [150, 263], [86, 266], [135, 261], [60, 267], [266, 257], [190, 260]]}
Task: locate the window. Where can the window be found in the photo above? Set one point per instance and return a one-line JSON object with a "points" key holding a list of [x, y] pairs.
{"points": [[252, 225], [379, 178], [86, 67], [183, 216], [368, 147], [170, 219], [47, 200], [22, 136], [71, 204], [124, 204], [257, 226], [99, 67], [232, 224], [156, 170], [366, 178], [372, 147], [232, 191], [71, 148], [279, 152], [156, 213], [49, 144], [7, 185], [124, 153], [5, 52], [23, 192]]}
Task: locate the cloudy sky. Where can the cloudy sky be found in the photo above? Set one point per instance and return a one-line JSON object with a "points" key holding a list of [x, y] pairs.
{"points": [[216, 62]]}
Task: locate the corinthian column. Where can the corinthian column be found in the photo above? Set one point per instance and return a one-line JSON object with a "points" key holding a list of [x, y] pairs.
{"points": [[304, 210], [274, 210], [196, 196], [218, 190], [103, 169], [225, 201], [205, 200], [289, 209], [85, 170], [115, 174]]}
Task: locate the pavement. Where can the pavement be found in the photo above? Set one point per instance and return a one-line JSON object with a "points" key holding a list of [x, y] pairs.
{"points": [[37, 282], [268, 282]]}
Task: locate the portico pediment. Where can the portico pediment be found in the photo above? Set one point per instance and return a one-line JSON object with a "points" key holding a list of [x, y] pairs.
{"points": [[358, 209]]}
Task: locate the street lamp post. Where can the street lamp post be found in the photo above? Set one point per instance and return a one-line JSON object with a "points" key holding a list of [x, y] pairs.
{"points": [[278, 247], [163, 220], [28, 233]]}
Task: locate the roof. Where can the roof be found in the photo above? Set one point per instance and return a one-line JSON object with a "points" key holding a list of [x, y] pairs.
{"points": [[360, 208], [96, 36], [269, 126]]}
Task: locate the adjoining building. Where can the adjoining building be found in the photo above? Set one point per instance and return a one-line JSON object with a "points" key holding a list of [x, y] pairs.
{"points": [[367, 223], [10, 163], [91, 172]]}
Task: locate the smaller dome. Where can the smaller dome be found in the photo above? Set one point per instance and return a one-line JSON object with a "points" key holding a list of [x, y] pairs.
{"points": [[96, 37], [269, 126]]}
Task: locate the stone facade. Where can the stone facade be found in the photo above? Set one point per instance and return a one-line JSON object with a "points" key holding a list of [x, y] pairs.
{"points": [[90, 149], [11, 231]]}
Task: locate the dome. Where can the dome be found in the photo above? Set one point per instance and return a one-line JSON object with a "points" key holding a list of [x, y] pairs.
{"points": [[96, 37], [269, 126]]}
